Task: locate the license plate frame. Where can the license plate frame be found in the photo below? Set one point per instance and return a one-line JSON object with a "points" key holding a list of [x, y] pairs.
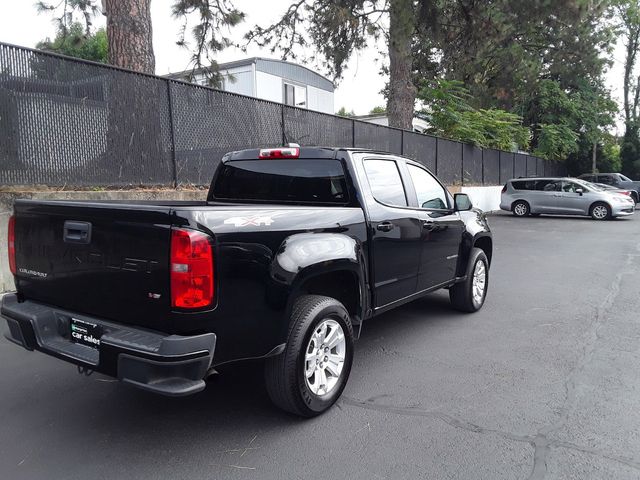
{"points": [[85, 333]]}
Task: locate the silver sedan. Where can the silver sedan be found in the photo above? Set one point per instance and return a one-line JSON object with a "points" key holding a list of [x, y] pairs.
{"points": [[563, 196]]}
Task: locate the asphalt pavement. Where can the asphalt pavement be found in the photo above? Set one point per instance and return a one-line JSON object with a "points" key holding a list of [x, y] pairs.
{"points": [[544, 382]]}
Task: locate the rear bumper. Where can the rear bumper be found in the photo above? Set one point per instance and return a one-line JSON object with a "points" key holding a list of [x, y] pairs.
{"points": [[165, 364]]}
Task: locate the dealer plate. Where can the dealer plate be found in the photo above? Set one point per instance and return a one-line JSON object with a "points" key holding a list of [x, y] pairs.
{"points": [[85, 333]]}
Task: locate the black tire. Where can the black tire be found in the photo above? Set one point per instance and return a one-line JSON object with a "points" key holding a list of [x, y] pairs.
{"points": [[461, 294], [285, 374], [597, 208], [520, 208]]}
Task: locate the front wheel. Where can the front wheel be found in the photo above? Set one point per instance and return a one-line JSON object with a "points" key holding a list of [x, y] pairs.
{"points": [[600, 211], [469, 296], [310, 375]]}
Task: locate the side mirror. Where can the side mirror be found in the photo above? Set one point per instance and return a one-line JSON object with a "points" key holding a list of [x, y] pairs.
{"points": [[462, 202], [579, 191]]}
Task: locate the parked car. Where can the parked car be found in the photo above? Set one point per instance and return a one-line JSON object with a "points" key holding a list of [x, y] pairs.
{"points": [[615, 180], [292, 250], [568, 196], [604, 186]]}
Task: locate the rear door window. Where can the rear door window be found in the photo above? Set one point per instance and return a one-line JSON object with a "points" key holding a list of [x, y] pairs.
{"points": [[385, 181], [541, 184]]}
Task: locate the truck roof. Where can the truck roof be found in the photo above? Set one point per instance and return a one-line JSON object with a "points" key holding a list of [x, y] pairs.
{"points": [[305, 152]]}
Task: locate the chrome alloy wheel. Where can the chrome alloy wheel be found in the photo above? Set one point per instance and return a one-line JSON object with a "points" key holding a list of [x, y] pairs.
{"points": [[479, 282], [324, 357], [520, 209], [600, 212]]}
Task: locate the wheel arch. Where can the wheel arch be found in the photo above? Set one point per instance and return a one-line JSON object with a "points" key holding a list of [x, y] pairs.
{"points": [[485, 243], [597, 202], [329, 264], [340, 283]]}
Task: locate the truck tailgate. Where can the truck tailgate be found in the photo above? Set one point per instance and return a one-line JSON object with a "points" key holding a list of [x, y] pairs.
{"points": [[105, 259]]}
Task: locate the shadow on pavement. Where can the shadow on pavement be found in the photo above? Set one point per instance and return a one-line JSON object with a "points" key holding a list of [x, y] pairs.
{"points": [[234, 400]]}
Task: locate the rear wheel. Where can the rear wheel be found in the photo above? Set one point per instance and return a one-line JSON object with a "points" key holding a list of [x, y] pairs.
{"points": [[520, 208], [310, 375], [600, 211], [469, 296]]}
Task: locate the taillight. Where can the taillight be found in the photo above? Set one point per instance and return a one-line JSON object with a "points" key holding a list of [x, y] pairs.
{"points": [[274, 153], [11, 238], [504, 189], [191, 269], [626, 192]]}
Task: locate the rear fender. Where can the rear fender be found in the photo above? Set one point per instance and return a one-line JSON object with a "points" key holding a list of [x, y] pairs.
{"points": [[304, 256]]}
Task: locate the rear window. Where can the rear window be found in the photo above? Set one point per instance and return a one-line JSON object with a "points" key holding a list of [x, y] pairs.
{"points": [[291, 180]]}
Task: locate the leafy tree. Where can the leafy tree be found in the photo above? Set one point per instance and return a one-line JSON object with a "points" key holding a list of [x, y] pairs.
{"points": [[215, 16], [562, 116], [379, 110], [338, 28], [343, 113], [607, 154], [451, 115], [75, 42], [556, 141], [628, 12], [501, 49], [129, 29], [630, 151]]}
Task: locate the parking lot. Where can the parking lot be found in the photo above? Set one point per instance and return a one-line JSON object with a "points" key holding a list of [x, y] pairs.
{"points": [[541, 383]]}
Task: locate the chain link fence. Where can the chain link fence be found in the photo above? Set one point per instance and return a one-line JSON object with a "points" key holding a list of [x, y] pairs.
{"points": [[65, 121]]}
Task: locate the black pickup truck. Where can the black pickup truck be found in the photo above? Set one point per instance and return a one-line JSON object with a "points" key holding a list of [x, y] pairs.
{"points": [[292, 251]]}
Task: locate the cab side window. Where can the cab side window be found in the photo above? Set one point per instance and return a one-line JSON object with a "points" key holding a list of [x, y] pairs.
{"points": [[608, 179], [430, 193], [385, 181]]}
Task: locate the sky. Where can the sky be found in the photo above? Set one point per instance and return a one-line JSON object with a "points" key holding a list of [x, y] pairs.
{"points": [[358, 90]]}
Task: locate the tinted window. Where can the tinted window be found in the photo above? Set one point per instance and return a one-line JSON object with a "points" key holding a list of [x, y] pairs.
{"points": [[530, 184], [608, 179], [429, 192], [386, 184], [588, 178], [524, 185], [305, 181]]}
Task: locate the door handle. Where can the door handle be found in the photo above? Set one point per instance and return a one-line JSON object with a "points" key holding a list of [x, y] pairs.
{"points": [[385, 226], [427, 225]]}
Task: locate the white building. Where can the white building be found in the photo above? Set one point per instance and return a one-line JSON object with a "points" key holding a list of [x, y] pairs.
{"points": [[419, 125], [275, 80]]}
